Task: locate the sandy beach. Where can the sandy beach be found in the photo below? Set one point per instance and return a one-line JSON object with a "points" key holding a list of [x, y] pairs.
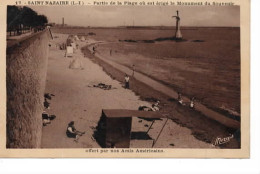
{"points": [[77, 100]]}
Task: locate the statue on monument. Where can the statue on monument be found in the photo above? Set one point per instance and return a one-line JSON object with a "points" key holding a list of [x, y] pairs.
{"points": [[178, 28]]}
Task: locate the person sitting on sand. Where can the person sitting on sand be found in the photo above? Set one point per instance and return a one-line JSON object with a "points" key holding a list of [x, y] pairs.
{"points": [[72, 132], [103, 86], [180, 98], [144, 108], [155, 107], [126, 81], [46, 118], [46, 104], [48, 96]]}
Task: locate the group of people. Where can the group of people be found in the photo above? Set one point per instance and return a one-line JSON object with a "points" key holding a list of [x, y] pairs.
{"points": [[155, 107], [47, 118], [180, 100], [71, 131], [191, 104], [103, 86]]}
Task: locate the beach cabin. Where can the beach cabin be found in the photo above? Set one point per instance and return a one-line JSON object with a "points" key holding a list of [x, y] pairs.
{"points": [[69, 51], [114, 126]]}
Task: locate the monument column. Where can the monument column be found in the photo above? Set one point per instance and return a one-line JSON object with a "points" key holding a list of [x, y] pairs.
{"points": [[178, 27]]}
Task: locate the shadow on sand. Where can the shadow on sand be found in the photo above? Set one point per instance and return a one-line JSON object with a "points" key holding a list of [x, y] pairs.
{"points": [[140, 136]]}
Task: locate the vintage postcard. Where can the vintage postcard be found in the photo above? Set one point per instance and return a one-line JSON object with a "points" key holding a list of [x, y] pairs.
{"points": [[131, 79]]}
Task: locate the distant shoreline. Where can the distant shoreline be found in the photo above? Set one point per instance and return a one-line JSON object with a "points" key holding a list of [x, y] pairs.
{"points": [[144, 27]]}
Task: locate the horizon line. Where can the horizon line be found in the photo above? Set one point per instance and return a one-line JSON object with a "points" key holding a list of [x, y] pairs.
{"points": [[140, 26]]}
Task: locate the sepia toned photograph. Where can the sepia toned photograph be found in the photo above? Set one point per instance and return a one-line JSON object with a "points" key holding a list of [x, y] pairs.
{"points": [[147, 78]]}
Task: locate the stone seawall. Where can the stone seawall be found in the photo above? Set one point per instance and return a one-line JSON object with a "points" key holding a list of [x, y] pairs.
{"points": [[26, 68]]}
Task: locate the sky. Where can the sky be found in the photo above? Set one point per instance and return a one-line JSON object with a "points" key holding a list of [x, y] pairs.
{"points": [[110, 16]]}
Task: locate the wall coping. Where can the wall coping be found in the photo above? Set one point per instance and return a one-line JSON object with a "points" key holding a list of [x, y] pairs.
{"points": [[23, 41]]}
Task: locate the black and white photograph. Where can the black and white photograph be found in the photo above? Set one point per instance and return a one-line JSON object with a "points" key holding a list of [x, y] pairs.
{"points": [[136, 78]]}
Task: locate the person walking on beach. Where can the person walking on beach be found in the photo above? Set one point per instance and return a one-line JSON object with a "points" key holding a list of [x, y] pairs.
{"points": [[133, 68], [192, 105], [126, 81], [72, 132]]}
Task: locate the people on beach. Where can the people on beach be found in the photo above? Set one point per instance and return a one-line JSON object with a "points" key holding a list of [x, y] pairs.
{"points": [[126, 81], [133, 68], [94, 50], [155, 106], [48, 96], [103, 86], [180, 98], [46, 104], [46, 118], [72, 132], [192, 104], [144, 108]]}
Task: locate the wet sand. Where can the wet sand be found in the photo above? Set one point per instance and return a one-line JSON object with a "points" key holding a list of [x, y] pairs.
{"points": [[163, 88], [210, 56], [203, 127]]}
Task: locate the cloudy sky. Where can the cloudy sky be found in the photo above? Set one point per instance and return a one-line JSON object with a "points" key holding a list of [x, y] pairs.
{"points": [[107, 16]]}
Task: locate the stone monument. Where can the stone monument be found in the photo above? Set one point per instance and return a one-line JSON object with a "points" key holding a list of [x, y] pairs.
{"points": [[178, 35]]}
